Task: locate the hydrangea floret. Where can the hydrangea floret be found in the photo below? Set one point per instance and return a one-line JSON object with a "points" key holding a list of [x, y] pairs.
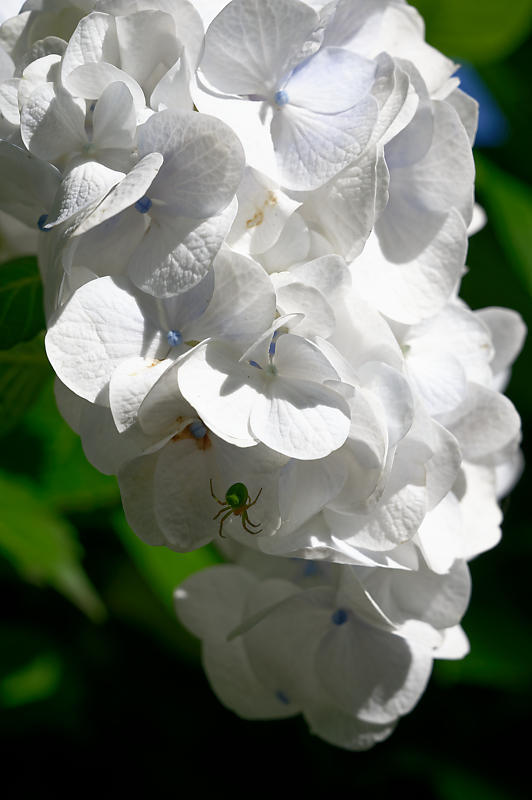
{"points": [[252, 223]]}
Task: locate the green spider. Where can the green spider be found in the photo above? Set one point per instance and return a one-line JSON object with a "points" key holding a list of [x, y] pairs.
{"points": [[237, 502]]}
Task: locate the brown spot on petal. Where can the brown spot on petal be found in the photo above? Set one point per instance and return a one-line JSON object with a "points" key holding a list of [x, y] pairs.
{"points": [[204, 443], [256, 220]]}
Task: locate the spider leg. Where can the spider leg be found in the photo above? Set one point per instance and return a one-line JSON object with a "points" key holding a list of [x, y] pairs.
{"points": [[249, 529], [223, 520], [246, 519], [221, 511], [214, 496], [255, 500]]}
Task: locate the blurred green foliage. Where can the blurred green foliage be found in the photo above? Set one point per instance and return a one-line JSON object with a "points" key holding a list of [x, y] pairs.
{"points": [[23, 371], [35, 681], [475, 31], [21, 301], [163, 569], [42, 545], [508, 202], [94, 664]]}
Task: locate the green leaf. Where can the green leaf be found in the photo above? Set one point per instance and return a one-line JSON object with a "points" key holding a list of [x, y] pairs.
{"points": [[66, 479], [162, 568], [21, 301], [476, 31], [451, 780], [42, 546], [509, 206], [36, 680], [501, 662], [457, 782], [24, 369]]}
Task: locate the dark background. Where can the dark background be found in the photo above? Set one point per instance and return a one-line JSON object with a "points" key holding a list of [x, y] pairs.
{"points": [[100, 688]]}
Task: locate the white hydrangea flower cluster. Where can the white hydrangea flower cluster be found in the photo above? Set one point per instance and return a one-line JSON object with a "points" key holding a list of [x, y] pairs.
{"points": [[253, 226]]}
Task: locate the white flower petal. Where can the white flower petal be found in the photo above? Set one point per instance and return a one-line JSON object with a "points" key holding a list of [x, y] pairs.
{"points": [[296, 357], [203, 161], [344, 208], [164, 410], [181, 489], [94, 40], [114, 120], [263, 210], [439, 600], [508, 333], [9, 108], [129, 384], [311, 148], [331, 81], [393, 392], [104, 447], [91, 80], [126, 192], [243, 305], [173, 90], [300, 418], [481, 515], [306, 487], [85, 349], [402, 35], [106, 248], [222, 390], [292, 246], [7, 66], [376, 675], [438, 378], [417, 289], [421, 192], [28, 184], [211, 603], [344, 730], [185, 508], [176, 253], [293, 297], [443, 466], [490, 424], [135, 479], [440, 535], [187, 20], [269, 35], [328, 274], [455, 644], [282, 645], [394, 521], [236, 685], [81, 189], [52, 123], [147, 45]]}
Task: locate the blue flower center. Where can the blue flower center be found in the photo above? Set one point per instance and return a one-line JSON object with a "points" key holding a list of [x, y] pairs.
{"points": [[143, 205], [310, 569], [197, 429], [174, 338], [339, 616], [273, 343], [281, 98]]}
